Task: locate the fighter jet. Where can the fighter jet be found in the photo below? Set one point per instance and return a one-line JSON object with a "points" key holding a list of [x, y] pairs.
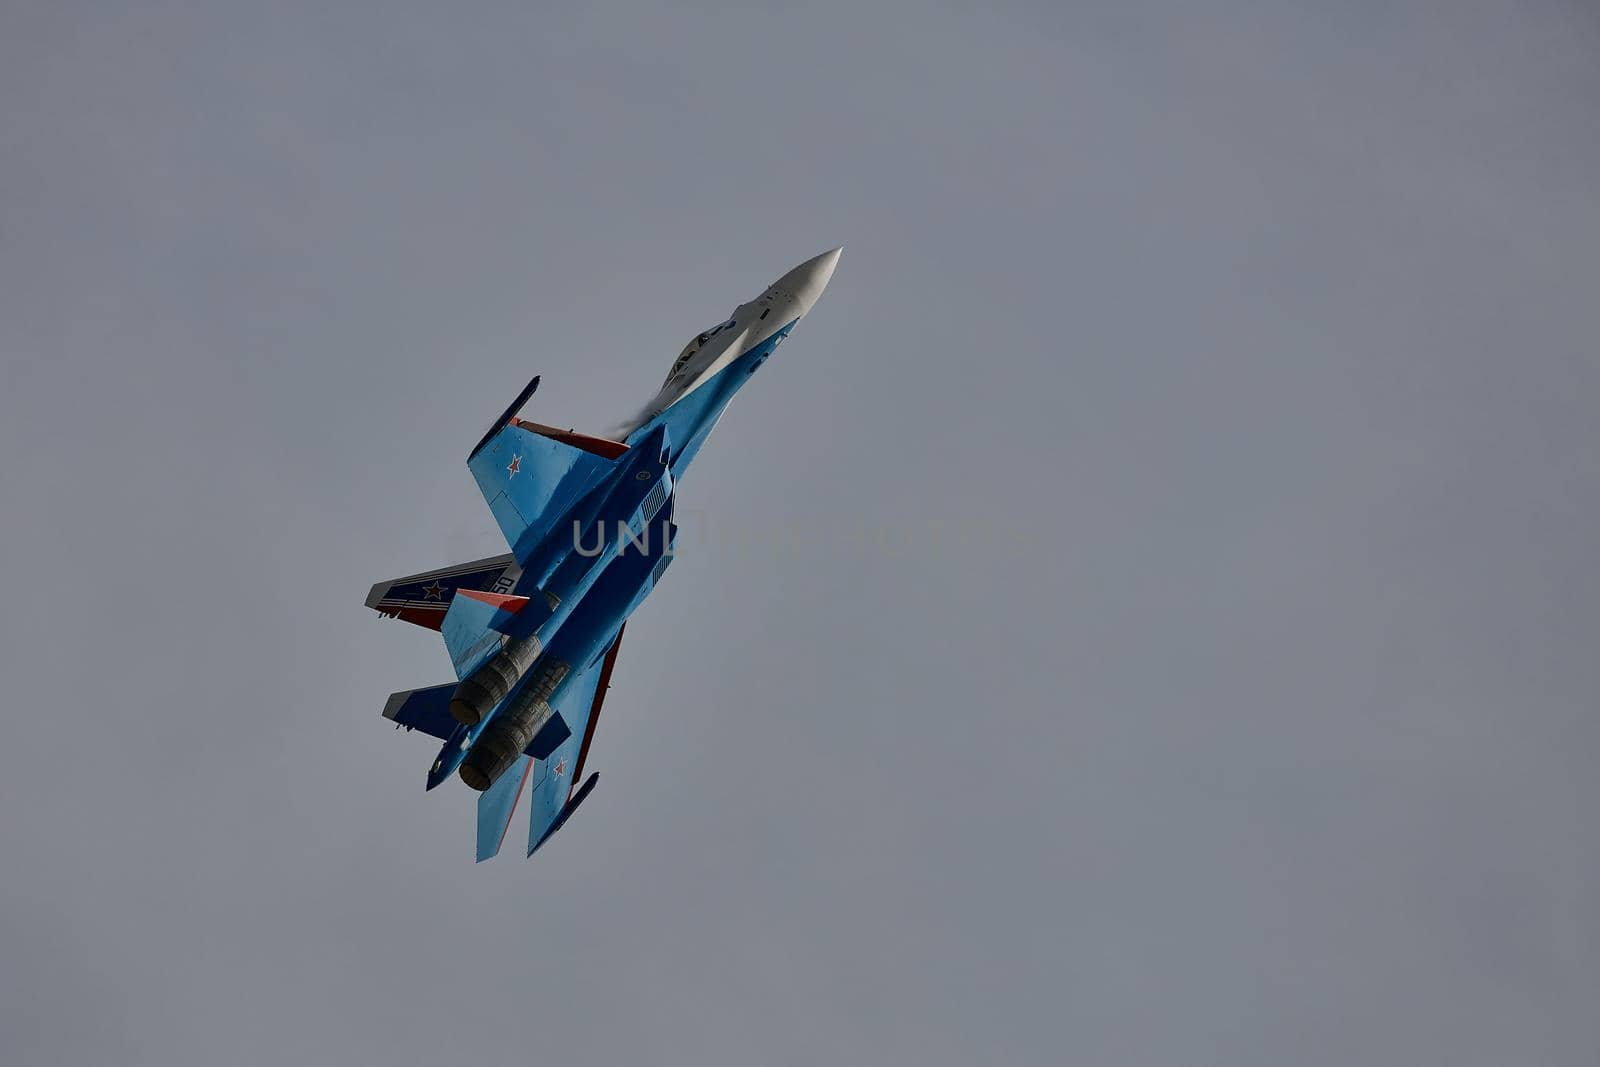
{"points": [[534, 633]]}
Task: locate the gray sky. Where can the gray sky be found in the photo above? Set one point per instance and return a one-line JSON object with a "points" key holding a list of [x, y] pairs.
{"points": [[1243, 712]]}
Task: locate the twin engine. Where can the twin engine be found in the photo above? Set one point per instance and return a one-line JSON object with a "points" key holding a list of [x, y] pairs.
{"points": [[514, 728]]}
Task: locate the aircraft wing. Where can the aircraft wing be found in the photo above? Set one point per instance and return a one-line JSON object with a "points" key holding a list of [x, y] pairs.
{"points": [[551, 781], [530, 481]]}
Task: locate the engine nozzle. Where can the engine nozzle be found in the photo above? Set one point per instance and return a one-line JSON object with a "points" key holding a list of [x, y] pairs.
{"points": [[487, 686]]}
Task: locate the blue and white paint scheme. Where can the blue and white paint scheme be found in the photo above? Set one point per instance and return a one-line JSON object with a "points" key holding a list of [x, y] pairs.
{"points": [[533, 634]]}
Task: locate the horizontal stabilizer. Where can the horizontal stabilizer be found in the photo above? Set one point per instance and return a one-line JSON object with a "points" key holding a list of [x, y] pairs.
{"points": [[551, 793], [497, 804], [427, 710], [566, 812]]}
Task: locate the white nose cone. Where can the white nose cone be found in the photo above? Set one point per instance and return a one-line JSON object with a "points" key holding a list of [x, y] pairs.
{"points": [[806, 282]]}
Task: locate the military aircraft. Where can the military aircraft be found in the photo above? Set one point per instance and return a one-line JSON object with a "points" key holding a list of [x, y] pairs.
{"points": [[534, 634]]}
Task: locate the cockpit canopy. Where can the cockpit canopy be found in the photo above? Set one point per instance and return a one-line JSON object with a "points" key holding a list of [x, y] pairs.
{"points": [[690, 350]]}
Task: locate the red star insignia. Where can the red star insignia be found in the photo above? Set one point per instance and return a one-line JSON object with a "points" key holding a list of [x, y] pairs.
{"points": [[561, 766], [434, 591], [515, 465]]}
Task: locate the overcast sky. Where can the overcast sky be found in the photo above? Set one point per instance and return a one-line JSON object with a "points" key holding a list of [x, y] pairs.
{"points": [[1186, 651]]}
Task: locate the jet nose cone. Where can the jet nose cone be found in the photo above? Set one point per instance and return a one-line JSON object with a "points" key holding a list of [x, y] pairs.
{"points": [[807, 281], [819, 268]]}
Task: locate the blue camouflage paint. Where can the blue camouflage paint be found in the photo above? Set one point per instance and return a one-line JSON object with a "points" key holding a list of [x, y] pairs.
{"points": [[538, 490], [692, 418], [590, 538]]}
